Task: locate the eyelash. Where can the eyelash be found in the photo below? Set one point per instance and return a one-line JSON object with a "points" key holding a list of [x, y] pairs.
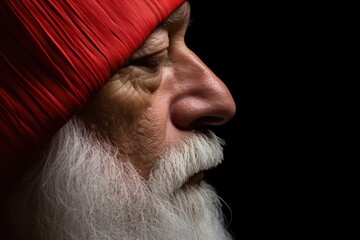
{"points": [[151, 62]]}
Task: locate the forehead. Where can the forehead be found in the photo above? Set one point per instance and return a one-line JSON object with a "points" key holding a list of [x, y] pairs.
{"points": [[158, 40], [179, 17]]}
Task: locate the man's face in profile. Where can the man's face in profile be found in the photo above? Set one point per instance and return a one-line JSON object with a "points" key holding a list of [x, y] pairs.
{"points": [[130, 166]]}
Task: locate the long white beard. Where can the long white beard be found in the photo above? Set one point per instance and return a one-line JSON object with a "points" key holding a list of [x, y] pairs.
{"points": [[85, 192]]}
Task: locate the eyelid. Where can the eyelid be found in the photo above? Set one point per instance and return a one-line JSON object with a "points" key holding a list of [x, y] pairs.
{"points": [[167, 62], [157, 41], [158, 59]]}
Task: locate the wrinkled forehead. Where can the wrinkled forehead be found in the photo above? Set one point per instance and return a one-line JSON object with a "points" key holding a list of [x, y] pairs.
{"points": [[179, 17], [158, 39]]}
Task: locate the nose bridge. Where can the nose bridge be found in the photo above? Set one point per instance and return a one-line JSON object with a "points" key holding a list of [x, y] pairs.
{"points": [[201, 76], [206, 99]]}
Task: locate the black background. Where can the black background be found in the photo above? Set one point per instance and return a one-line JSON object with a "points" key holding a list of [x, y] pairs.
{"points": [[215, 36], [258, 50], [285, 63], [281, 62]]}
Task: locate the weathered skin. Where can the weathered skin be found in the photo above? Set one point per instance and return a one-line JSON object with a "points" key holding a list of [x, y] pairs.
{"points": [[144, 109]]}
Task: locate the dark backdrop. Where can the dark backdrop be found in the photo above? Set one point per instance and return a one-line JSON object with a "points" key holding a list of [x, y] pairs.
{"points": [[215, 37], [271, 55], [248, 47]]}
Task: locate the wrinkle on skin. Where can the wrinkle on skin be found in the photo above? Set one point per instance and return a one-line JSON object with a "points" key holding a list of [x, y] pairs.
{"points": [[132, 109], [121, 112], [132, 88], [148, 140], [137, 135], [157, 41]]}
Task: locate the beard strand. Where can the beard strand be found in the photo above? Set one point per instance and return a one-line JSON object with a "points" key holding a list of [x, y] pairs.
{"points": [[87, 190]]}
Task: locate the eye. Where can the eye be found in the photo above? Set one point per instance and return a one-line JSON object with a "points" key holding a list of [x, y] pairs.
{"points": [[153, 61]]}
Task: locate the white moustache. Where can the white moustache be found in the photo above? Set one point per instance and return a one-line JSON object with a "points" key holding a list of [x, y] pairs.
{"points": [[200, 152]]}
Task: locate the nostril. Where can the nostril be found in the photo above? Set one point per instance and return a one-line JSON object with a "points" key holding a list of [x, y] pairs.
{"points": [[208, 120]]}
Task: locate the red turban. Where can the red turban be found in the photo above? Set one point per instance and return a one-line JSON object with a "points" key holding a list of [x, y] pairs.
{"points": [[53, 56]]}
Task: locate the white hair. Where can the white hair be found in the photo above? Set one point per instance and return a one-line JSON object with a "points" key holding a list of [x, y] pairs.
{"points": [[87, 190]]}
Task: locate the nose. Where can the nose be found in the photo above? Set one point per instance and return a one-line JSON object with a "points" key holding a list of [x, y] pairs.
{"points": [[204, 99]]}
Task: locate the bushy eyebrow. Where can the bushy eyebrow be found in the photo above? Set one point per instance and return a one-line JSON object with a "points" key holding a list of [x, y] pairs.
{"points": [[178, 17]]}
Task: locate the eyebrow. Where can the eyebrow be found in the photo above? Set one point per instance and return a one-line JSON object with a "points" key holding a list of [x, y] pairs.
{"points": [[179, 16]]}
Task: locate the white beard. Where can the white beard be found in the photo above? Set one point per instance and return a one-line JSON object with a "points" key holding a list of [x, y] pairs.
{"points": [[85, 192]]}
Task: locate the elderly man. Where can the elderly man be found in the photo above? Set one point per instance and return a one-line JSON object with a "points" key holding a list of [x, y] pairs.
{"points": [[103, 123]]}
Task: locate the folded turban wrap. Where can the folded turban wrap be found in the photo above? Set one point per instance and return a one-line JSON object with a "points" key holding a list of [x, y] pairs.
{"points": [[54, 55]]}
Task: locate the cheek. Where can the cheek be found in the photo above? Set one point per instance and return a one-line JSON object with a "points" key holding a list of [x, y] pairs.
{"points": [[130, 90], [123, 112], [123, 100], [146, 142], [141, 139]]}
